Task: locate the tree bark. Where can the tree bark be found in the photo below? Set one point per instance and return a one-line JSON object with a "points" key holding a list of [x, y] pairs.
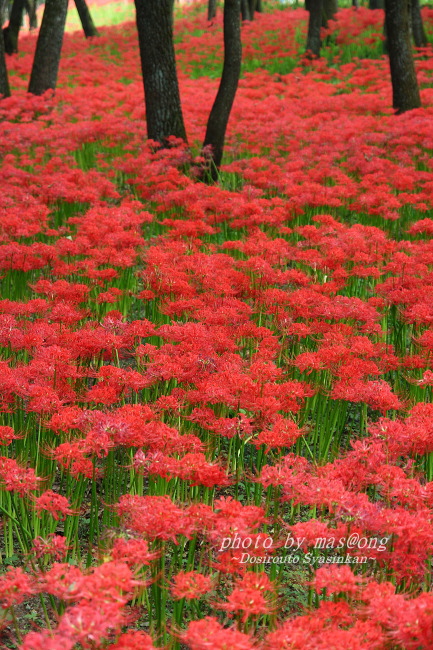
{"points": [[314, 27], [48, 48], [329, 9], [30, 6], [252, 8], [220, 113], [405, 92], [161, 89], [259, 7], [4, 79], [245, 10], [418, 33], [376, 4], [10, 33], [211, 9], [87, 23]]}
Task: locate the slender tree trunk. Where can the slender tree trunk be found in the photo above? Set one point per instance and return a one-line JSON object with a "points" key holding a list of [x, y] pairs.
{"points": [[259, 7], [48, 48], [161, 89], [10, 33], [329, 9], [418, 33], [4, 80], [245, 10], [4, 13], [314, 27], [30, 6], [405, 92], [211, 9], [376, 4], [252, 7], [87, 23], [220, 113]]}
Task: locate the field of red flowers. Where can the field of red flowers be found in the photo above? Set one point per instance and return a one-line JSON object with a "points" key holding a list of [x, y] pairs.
{"points": [[216, 417]]}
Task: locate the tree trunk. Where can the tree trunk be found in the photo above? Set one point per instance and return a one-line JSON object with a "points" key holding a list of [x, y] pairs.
{"points": [[245, 10], [314, 27], [30, 6], [376, 4], [87, 23], [10, 33], [220, 113], [418, 33], [259, 7], [211, 9], [252, 7], [405, 92], [4, 80], [329, 9], [48, 48], [161, 90]]}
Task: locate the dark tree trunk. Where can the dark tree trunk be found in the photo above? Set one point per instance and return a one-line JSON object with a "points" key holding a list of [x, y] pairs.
{"points": [[48, 48], [259, 7], [211, 9], [314, 27], [252, 7], [385, 39], [418, 33], [4, 80], [245, 10], [31, 11], [329, 9], [161, 90], [405, 92], [220, 113], [4, 13], [355, 4], [10, 33], [87, 23], [376, 4]]}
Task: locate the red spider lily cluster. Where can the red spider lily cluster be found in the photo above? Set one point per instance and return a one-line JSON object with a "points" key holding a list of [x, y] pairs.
{"points": [[216, 423]]}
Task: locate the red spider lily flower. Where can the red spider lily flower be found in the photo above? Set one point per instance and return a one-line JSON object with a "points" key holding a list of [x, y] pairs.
{"points": [[157, 517], [376, 394], [53, 545], [208, 634], [62, 581], [132, 552], [133, 640], [7, 434], [90, 624], [192, 467], [229, 563], [16, 478], [251, 596], [15, 587], [111, 582], [284, 433], [190, 585], [47, 641], [231, 518], [333, 626], [337, 579], [57, 505]]}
